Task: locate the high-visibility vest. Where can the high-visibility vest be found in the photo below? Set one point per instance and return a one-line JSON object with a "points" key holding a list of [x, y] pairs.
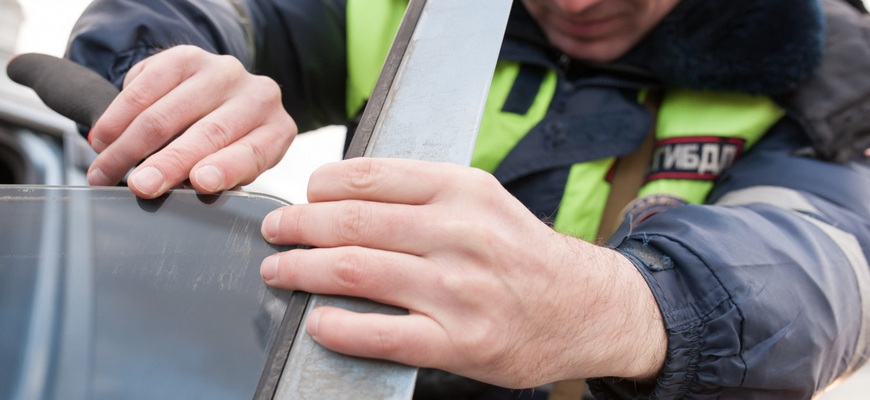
{"points": [[697, 133]]}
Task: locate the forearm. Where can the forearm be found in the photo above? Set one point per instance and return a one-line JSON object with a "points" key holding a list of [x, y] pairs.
{"points": [[298, 44]]}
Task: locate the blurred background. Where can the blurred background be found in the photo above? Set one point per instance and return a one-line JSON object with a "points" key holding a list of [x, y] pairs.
{"points": [[43, 26]]}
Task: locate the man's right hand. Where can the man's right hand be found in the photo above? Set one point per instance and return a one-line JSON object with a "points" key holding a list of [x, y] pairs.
{"points": [[492, 293], [190, 114]]}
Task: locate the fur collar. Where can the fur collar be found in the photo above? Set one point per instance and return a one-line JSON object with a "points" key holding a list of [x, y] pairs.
{"points": [[754, 46]]}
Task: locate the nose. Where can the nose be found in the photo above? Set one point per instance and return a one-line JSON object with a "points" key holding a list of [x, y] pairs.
{"points": [[575, 6]]}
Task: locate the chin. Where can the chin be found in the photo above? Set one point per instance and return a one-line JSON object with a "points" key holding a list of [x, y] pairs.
{"points": [[595, 50], [600, 54]]}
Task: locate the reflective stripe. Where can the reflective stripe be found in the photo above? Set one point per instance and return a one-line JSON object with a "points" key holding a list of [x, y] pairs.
{"points": [[687, 114], [690, 113], [792, 200], [501, 131], [582, 202], [371, 27], [682, 114]]}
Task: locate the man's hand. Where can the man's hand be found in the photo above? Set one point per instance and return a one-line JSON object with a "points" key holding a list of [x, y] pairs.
{"points": [[190, 114], [493, 293]]}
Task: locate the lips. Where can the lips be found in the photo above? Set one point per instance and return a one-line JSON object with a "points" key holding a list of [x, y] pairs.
{"points": [[586, 28]]}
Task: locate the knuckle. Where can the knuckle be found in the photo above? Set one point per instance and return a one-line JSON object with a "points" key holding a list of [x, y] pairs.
{"points": [[481, 186], [455, 285], [353, 222], [138, 96], [481, 178], [186, 60], [288, 125], [482, 339], [156, 125], [218, 134], [225, 61], [114, 163], [282, 128], [118, 159], [188, 52], [263, 94], [260, 157], [479, 337], [363, 174], [230, 68], [350, 270], [474, 240], [174, 161], [267, 89]]}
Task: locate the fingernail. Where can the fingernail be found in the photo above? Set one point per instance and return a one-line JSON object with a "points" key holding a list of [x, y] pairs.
{"points": [[314, 322], [96, 143], [210, 178], [269, 268], [148, 180], [96, 177], [271, 223]]}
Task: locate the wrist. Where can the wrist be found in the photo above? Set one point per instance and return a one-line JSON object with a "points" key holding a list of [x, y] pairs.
{"points": [[633, 338], [644, 339], [606, 321]]}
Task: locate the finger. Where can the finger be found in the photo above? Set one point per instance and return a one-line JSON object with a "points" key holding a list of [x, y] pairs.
{"points": [[244, 160], [146, 83], [381, 179], [392, 227], [386, 277], [412, 339], [146, 134], [156, 105], [219, 129]]}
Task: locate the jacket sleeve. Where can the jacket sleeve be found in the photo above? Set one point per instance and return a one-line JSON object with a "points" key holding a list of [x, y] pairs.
{"points": [[301, 44], [764, 291], [833, 101]]}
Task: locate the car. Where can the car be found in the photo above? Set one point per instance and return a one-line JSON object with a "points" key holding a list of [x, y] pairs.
{"points": [[104, 295]]}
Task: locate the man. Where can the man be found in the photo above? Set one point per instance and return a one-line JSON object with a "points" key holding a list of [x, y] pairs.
{"points": [[736, 273]]}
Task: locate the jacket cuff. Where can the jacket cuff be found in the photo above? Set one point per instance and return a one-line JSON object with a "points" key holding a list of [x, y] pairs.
{"points": [[697, 341]]}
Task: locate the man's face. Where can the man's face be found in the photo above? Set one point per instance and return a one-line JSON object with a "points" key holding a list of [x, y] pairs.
{"points": [[597, 30]]}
